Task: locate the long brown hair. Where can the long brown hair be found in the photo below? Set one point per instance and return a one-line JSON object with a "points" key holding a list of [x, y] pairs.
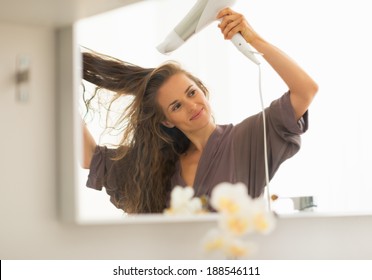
{"points": [[148, 151]]}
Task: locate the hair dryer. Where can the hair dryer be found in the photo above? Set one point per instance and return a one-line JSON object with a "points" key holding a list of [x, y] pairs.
{"points": [[202, 14]]}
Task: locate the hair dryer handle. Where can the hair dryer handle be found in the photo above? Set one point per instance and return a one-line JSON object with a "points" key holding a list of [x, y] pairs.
{"points": [[244, 47]]}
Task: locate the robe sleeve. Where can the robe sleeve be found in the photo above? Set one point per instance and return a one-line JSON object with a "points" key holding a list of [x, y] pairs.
{"points": [[100, 165], [283, 141]]}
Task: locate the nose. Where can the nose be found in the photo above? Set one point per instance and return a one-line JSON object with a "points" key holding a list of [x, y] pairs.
{"points": [[190, 106]]}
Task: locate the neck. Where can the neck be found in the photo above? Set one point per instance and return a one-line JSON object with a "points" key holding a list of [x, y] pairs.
{"points": [[200, 138]]}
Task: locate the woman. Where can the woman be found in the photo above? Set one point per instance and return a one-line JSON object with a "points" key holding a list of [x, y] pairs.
{"points": [[171, 139]]}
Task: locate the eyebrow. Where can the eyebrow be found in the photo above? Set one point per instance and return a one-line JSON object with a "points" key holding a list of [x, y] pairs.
{"points": [[175, 101]]}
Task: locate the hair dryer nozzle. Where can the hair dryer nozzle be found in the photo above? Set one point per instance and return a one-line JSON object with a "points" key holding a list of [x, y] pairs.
{"points": [[170, 43], [202, 13]]}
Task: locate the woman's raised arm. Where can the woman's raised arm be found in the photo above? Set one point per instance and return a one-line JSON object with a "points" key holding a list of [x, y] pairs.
{"points": [[301, 86]]}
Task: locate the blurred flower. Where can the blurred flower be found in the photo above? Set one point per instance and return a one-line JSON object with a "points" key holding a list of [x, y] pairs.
{"points": [[221, 243], [263, 220], [237, 248], [237, 224], [229, 198], [214, 240], [183, 202], [239, 215]]}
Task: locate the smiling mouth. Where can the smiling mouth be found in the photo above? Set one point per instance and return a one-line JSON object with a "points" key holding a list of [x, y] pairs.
{"points": [[197, 114]]}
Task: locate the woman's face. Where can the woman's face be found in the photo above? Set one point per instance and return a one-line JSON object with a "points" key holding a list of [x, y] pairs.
{"points": [[184, 104]]}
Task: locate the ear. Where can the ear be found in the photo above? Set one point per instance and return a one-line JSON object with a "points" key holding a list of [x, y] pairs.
{"points": [[168, 124]]}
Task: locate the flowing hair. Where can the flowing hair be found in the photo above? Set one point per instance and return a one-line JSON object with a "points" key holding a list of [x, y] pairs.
{"points": [[148, 151]]}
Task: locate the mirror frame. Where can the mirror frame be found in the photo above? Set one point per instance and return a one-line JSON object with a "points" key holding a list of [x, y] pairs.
{"points": [[66, 123]]}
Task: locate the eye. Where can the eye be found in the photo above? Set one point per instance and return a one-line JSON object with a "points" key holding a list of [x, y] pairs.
{"points": [[176, 106], [191, 93]]}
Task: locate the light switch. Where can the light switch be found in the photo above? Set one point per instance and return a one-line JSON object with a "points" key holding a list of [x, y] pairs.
{"points": [[23, 64]]}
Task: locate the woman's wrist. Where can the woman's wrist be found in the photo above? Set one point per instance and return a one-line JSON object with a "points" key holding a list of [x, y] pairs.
{"points": [[256, 41]]}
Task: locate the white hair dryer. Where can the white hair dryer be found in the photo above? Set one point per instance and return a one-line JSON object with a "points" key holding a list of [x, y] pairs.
{"points": [[202, 14]]}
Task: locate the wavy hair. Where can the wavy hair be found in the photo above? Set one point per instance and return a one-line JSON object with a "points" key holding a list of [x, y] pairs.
{"points": [[148, 151]]}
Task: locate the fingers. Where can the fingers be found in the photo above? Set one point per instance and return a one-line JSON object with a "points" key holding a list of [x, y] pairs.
{"points": [[231, 22], [231, 25], [224, 12]]}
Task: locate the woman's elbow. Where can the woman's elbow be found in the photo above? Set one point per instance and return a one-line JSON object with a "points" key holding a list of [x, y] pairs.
{"points": [[85, 164], [87, 156], [314, 89], [310, 92]]}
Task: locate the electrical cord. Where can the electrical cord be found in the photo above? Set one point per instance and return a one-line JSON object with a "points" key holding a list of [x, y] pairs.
{"points": [[265, 139]]}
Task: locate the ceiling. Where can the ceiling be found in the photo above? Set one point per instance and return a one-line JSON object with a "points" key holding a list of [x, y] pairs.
{"points": [[54, 13]]}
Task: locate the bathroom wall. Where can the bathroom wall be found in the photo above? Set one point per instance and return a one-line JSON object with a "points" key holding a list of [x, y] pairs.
{"points": [[30, 228]]}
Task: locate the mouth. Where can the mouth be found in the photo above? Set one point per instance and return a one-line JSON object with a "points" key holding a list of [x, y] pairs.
{"points": [[197, 115]]}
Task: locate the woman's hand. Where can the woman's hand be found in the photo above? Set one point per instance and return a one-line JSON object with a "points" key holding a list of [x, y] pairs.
{"points": [[233, 23], [301, 86]]}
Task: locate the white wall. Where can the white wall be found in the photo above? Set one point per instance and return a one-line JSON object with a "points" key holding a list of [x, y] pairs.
{"points": [[30, 228]]}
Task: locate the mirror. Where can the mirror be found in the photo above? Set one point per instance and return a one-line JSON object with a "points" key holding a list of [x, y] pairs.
{"points": [[329, 41]]}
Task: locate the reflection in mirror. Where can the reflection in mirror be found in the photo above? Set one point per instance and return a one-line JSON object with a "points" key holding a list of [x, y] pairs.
{"points": [[335, 156]]}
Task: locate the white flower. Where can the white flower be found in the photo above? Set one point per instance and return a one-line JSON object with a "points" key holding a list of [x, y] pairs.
{"points": [[183, 202], [214, 240], [236, 224], [237, 248], [230, 198], [220, 242], [263, 220], [239, 215]]}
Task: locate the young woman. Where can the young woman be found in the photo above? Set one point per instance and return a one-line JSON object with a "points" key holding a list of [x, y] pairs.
{"points": [[170, 137]]}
